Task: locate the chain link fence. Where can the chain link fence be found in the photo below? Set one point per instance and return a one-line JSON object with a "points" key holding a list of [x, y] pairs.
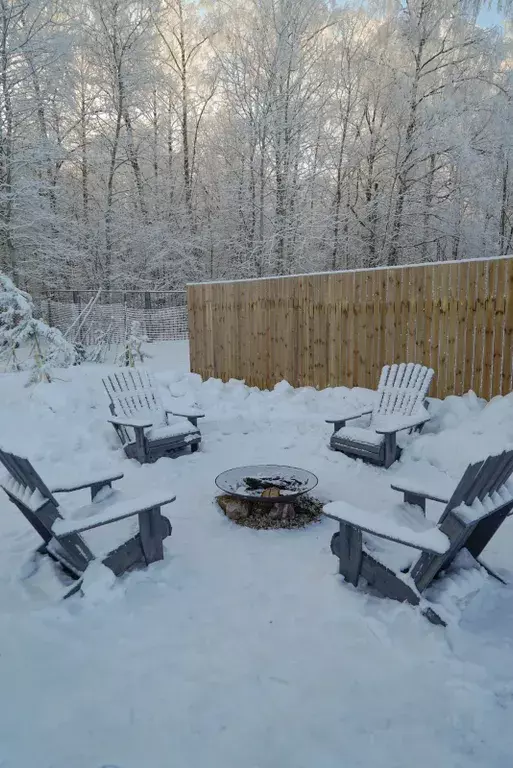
{"points": [[162, 315]]}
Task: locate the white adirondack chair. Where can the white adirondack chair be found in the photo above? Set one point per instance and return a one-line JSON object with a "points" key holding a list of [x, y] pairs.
{"points": [[400, 405], [147, 428], [475, 509], [62, 535]]}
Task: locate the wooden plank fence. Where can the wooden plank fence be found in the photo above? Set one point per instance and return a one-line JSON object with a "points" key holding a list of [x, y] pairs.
{"points": [[340, 328]]}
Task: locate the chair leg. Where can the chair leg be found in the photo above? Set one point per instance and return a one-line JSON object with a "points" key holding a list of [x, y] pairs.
{"points": [[390, 449], [413, 498], [140, 446], [347, 546], [151, 532], [96, 488]]}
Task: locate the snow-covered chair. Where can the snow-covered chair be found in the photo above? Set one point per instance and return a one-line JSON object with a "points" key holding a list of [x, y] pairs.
{"points": [[147, 429], [61, 537], [475, 510], [400, 405]]}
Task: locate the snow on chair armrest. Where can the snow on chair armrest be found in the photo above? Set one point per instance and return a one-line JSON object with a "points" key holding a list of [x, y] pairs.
{"points": [[85, 481], [350, 415], [395, 423], [428, 540], [436, 490], [128, 421], [112, 513], [185, 411]]}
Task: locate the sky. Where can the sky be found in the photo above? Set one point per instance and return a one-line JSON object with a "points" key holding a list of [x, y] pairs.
{"points": [[490, 17]]}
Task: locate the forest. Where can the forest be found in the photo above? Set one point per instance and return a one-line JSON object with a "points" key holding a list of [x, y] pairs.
{"points": [[148, 143]]}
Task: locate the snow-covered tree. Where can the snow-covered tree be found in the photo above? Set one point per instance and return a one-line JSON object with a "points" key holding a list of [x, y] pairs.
{"points": [[42, 347], [133, 351], [145, 143]]}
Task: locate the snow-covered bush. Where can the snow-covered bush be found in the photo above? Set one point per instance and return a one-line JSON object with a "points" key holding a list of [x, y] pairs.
{"points": [[44, 346], [97, 352], [133, 352]]}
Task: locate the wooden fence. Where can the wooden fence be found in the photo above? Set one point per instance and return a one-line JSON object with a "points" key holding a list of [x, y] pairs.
{"points": [[341, 328]]}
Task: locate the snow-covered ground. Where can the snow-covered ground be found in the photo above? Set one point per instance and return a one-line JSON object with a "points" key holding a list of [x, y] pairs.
{"points": [[244, 648]]}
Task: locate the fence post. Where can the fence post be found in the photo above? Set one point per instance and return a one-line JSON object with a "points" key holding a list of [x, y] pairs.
{"points": [[147, 315], [49, 310], [127, 351]]}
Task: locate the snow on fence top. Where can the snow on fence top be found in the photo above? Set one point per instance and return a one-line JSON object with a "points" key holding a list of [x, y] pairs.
{"points": [[349, 271]]}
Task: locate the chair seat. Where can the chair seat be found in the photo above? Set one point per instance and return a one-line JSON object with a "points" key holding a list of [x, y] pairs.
{"points": [[359, 435], [176, 429]]}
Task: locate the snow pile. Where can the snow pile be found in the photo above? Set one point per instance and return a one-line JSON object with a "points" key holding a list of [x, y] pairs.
{"points": [[244, 647]]}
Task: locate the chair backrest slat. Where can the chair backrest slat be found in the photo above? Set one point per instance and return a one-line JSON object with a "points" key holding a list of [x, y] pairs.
{"points": [[477, 486], [11, 465], [41, 513], [505, 474], [402, 389], [480, 486], [501, 464], [22, 471], [132, 392], [460, 493], [497, 471]]}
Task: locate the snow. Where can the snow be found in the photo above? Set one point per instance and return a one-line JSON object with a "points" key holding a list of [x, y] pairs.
{"points": [[359, 435], [354, 414], [245, 647], [429, 539], [90, 516], [435, 485], [82, 480], [32, 499], [177, 427], [132, 421], [398, 422], [470, 513]]}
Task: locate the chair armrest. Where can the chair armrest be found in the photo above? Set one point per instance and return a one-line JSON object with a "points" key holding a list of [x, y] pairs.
{"points": [[87, 481], [398, 424], [189, 413], [111, 514], [429, 540], [416, 488], [128, 422], [339, 421]]}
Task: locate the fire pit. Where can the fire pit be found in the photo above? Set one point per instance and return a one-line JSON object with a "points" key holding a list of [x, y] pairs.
{"points": [[268, 496]]}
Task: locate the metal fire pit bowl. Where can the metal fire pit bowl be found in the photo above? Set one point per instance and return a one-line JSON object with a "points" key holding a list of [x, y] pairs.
{"points": [[291, 481]]}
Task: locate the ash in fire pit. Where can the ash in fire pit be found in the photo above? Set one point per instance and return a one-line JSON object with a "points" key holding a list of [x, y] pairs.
{"points": [[271, 487], [268, 496]]}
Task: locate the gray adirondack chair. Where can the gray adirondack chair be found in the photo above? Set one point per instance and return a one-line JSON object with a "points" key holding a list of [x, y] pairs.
{"points": [[400, 405], [147, 429], [61, 537], [475, 510]]}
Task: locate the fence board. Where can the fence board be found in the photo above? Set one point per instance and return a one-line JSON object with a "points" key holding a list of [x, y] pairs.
{"points": [[498, 338], [461, 332], [452, 321], [482, 289], [507, 362], [341, 328], [491, 319], [428, 307]]}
